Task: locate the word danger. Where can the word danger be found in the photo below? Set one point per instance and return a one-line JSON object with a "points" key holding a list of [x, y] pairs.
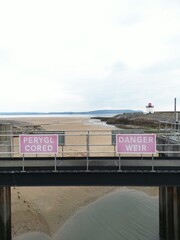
{"points": [[135, 143], [38, 143]]}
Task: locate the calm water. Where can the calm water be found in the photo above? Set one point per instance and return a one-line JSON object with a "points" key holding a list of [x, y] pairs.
{"points": [[125, 215]]}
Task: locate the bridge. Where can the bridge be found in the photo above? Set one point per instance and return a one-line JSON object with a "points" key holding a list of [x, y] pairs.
{"points": [[81, 171], [89, 158]]}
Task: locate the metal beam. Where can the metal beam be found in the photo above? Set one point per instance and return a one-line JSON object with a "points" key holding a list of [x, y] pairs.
{"points": [[90, 178]]}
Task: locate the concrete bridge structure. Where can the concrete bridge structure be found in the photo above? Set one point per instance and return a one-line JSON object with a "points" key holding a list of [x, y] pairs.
{"points": [[95, 164]]}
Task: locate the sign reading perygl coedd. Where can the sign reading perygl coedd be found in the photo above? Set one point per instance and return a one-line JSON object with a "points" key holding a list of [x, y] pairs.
{"points": [[136, 143], [38, 143]]}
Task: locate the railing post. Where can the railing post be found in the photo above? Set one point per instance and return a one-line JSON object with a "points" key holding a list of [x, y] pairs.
{"points": [[23, 164], [119, 163], [114, 150], [152, 163], [62, 150], [55, 163], [87, 150]]}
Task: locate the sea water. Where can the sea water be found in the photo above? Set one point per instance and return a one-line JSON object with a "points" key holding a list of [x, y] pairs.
{"points": [[123, 215]]}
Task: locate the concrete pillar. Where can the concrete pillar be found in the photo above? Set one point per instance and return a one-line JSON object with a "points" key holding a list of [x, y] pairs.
{"points": [[5, 213], [162, 213], [176, 199], [169, 213]]}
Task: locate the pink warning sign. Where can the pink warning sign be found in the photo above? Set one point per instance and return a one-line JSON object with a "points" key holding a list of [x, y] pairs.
{"points": [[136, 143], [38, 143]]}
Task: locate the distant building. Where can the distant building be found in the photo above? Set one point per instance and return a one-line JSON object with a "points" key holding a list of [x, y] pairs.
{"points": [[150, 108]]}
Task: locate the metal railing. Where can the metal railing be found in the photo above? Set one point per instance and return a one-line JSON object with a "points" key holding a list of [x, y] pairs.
{"points": [[169, 127], [71, 143], [92, 143], [87, 148]]}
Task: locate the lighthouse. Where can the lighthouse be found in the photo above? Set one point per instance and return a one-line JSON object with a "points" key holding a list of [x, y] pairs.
{"points": [[150, 108]]}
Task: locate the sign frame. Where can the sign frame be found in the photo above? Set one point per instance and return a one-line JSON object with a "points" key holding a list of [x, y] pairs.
{"points": [[138, 147], [51, 139]]}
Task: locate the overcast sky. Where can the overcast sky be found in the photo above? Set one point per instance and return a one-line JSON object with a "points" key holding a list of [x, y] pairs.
{"points": [[78, 55]]}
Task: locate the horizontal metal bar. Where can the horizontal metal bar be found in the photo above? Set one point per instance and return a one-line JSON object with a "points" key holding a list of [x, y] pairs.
{"points": [[90, 178]]}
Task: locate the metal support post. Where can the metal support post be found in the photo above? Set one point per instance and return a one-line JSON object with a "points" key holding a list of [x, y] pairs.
{"points": [[114, 150], [87, 150], [55, 163], [119, 163], [152, 163], [23, 164], [62, 150]]}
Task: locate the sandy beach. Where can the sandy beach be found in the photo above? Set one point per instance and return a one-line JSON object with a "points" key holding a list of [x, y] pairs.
{"points": [[46, 209]]}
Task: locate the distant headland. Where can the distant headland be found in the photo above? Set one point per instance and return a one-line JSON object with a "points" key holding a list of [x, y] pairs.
{"points": [[93, 112]]}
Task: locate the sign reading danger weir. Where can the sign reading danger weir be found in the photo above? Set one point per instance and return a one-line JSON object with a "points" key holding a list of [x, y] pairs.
{"points": [[136, 143], [38, 143]]}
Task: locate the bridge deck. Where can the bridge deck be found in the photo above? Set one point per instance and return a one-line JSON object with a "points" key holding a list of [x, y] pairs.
{"points": [[91, 163], [94, 171]]}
